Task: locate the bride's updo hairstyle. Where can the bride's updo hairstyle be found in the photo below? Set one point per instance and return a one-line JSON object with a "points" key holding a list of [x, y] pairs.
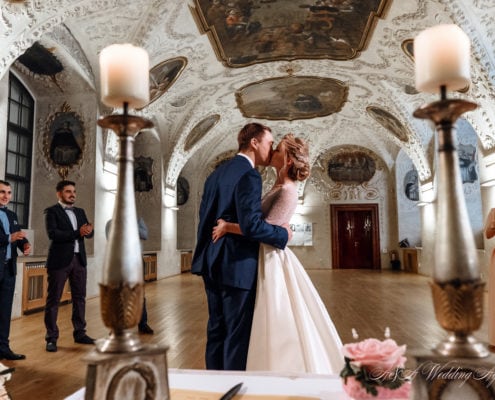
{"points": [[298, 151]]}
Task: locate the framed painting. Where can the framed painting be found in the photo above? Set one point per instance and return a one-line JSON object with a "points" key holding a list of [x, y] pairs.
{"points": [[248, 32], [143, 174], [64, 139], [182, 191], [293, 97]]}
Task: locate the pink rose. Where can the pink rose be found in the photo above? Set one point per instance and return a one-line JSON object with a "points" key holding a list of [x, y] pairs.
{"points": [[355, 390], [376, 356]]}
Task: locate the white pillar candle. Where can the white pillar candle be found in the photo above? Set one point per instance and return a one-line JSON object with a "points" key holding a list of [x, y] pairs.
{"points": [[124, 76], [442, 57]]}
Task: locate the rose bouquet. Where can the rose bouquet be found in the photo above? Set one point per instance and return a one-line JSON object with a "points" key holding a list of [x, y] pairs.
{"points": [[375, 368]]}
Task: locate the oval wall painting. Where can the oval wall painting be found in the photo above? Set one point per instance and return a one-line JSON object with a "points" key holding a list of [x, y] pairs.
{"points": [[163, 75], [389, 122], [200, 130]]}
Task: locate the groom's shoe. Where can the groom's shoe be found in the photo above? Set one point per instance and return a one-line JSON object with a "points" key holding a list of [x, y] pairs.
{"points": [[145, 329], [10, 355], [85, 339], [51, 346]]}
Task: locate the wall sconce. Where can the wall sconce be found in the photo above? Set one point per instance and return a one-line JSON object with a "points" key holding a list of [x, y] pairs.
{"points": [[367, 225], [349, 227]]}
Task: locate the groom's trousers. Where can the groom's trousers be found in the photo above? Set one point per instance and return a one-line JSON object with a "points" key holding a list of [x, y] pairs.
{"points": [[229, 325]]}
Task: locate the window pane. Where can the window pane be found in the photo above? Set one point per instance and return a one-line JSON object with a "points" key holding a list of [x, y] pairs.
{"points": [[26, 120], [11, 163], [28, 102], [20, 192], [15, 93], [23, 146], [20, 215], [14, 113], [13, 140], [23, 166]]}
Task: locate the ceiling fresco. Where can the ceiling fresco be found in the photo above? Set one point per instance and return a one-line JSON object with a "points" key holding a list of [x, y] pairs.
{"points": [[292, 97], [246, 32]]}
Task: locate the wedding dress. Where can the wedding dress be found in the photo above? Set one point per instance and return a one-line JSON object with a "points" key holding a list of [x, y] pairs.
{"points": [[291, 331]]}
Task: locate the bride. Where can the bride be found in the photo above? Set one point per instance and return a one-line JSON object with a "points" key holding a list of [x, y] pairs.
{"points": [[291, 331]]}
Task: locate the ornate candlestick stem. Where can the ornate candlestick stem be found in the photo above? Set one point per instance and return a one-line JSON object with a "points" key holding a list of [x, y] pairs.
{"points": [[457, 287], [122, 287]]}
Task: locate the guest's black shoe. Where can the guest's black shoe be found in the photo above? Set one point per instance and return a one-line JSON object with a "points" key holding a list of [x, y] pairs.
{"points": [[145, 329], [51, 347], [10, 355], [84, 340]]}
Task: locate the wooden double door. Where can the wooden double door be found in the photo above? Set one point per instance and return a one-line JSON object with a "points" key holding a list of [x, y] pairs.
{"points": [[355, 236]]}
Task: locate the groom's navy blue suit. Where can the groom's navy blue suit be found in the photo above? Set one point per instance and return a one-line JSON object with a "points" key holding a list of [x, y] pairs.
{"points": [[229, 267]]}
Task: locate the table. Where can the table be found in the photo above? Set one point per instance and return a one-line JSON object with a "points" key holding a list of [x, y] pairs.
{"points": [[324, 387]]}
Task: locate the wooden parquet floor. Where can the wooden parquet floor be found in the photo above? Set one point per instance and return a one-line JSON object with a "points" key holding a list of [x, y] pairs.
{"points": [[368, 301]]}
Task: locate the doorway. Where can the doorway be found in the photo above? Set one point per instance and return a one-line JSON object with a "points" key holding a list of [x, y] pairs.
{"points": [[355, 236]]}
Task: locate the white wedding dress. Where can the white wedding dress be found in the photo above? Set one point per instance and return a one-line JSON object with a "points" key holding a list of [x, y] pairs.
{"points": [[291, 331]]}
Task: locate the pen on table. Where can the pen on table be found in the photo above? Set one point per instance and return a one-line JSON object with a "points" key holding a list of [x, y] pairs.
{"points": [[231, 392]]}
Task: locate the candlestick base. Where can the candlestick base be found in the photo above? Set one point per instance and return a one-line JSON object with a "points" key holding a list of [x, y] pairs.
{"points": [[459, 310]]}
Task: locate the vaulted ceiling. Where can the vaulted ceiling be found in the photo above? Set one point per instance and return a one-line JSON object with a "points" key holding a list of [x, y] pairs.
{"points": [[334, 71]]}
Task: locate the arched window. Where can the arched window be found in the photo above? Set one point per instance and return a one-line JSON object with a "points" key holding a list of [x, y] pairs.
{"points": [[19, 148]]}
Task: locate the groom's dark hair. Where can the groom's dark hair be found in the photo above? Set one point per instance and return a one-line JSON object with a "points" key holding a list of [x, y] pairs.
{"points": [[249, 131]]}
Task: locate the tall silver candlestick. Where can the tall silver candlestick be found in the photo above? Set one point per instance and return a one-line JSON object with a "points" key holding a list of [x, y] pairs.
{"points": [[122, 286], [457, 287]]}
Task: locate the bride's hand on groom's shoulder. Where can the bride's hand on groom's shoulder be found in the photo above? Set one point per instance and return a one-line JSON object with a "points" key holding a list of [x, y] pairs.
{"points": [[219, 230]]}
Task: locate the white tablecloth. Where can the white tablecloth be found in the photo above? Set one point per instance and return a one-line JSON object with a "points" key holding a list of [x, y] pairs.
{"points": [[325, 387]]}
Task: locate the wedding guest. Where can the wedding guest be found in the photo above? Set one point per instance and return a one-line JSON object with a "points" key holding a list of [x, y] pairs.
{"points": [[67, 227], [11, 239]]}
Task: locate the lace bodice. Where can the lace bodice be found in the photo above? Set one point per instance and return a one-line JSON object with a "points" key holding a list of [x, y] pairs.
{"points": [[279, 204]]}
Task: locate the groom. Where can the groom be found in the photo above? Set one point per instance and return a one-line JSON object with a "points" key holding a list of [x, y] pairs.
{"points": [[229, 267]]}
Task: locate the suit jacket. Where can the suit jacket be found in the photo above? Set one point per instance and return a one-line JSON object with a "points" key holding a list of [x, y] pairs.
{"points": [[63, 236], [233, 192], [4, 240]]}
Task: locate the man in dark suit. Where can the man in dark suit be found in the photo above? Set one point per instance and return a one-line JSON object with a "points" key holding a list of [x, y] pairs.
{"points": [[67, 226], [11, 239], [229, 267]]}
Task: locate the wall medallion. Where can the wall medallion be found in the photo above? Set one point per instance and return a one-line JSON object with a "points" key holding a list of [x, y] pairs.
{"points": [[64, 140]]}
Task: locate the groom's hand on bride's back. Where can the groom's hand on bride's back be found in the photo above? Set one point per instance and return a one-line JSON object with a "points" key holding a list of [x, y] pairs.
{"points": [[289, 231]]}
